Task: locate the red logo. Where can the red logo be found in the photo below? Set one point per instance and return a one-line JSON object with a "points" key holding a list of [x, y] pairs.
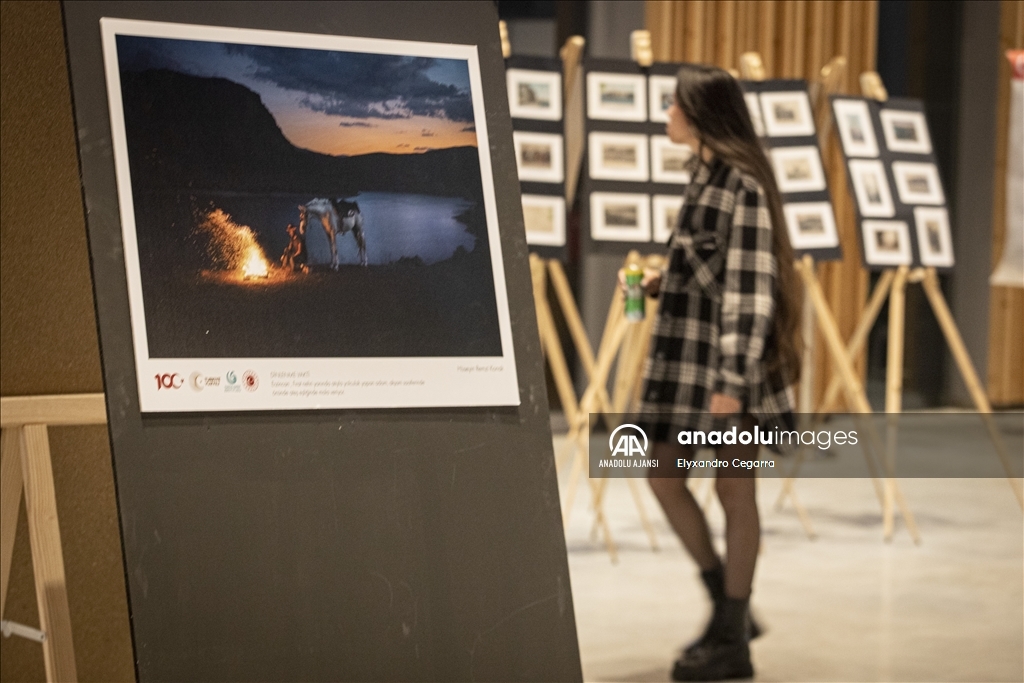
{"points": [[250, 381], [169, 380]]}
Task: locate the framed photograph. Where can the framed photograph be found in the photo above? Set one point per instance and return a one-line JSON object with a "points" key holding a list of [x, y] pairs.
{"points": [[534, 94], [811, 225], [787, 114], [871, 187], [886, 243], [616, 97], [855, 128], [669, 161], [618, 156], [544, 217], [918, 183], [276, 210], [539, 156], [934, 241], [665, 210], [798, 169], [905, 131], [754, 107], [620, 217], [662, 93]]}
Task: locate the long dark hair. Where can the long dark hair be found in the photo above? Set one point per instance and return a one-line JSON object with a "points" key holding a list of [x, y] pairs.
{"points": [[714, 107]]}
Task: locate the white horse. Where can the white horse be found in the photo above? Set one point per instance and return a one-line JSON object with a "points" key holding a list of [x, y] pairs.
{"points": [[338, 218]]}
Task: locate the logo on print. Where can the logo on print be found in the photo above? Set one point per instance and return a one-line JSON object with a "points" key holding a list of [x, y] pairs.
{"points": [[625, 441], [250, 381]]}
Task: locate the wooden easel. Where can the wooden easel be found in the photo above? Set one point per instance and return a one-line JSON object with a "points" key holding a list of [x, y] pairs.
{"points": [[25, 464]]}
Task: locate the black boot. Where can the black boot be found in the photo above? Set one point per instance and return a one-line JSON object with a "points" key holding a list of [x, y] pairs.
{"points": [[714, 581], [725, 655]]}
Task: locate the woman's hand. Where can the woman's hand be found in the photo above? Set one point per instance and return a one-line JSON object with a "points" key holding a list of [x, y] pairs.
{"points": [[722, 405], [651, 281]]}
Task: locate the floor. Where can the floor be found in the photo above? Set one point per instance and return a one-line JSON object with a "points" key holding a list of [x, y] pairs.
{"points": [[844, 607]]}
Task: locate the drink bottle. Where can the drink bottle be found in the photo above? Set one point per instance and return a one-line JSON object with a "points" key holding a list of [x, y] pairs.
{"points": [[635, 295]]}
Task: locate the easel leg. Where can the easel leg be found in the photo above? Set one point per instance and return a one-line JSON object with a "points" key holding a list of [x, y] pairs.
{"points": [[47, 556], [10, 503], [893, 389]]}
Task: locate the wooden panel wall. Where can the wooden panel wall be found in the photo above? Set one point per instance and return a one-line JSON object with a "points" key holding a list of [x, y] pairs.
{"points": [[795, 38], [1006, 312]]}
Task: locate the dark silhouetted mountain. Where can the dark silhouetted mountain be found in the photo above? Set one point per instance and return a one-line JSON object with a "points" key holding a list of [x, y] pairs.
{"points": [[213, 134]]}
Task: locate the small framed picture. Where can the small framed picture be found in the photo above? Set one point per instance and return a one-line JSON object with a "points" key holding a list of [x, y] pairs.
{"points": [[798, 169], [665, 216], [811, 225], [855, 129], [886, 243], [620, 217], [669, 160], [534, 94], [662, 93], [871, 187], [539, 156], [905, 131], [544, 217], [934, 241], [787, 114], [616, 97], [754, 107], [618, 156], [918, 183]]}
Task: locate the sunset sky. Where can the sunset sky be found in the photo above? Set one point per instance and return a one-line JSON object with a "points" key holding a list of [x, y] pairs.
{"points": [[339, 103]]}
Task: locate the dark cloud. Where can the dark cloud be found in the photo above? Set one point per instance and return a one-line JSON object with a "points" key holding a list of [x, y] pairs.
{"points": [[420, 149], [426, 133], [469, 129], [359, 85], [355, 124]]}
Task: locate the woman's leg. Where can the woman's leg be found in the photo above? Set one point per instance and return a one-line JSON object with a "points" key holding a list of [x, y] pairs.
{"points": [[742, 524], [681, 508]]}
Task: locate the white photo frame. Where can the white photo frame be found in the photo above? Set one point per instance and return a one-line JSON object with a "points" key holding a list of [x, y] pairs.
{"points": [[616, 97], [669, 161], [754, 107], [787, 114], [886, 243], [798, 169], [544, 220], [918, 183], [811, 225], [534, 94], [857, 133], [618, 156], [934, 240], [661, 92], [871, 187], [539, 156], [665, 210], [620, 217], [905, 131]]}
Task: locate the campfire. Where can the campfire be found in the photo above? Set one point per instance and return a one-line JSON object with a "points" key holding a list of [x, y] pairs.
{"points": [[255, 265], [232, 247]]}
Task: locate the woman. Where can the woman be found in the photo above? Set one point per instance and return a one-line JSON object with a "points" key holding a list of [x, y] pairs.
{"points": [[724, 348]]}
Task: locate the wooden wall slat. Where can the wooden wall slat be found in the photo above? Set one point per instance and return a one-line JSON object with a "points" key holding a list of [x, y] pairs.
{"points": [[725, 34], [694, 43], [766, 34]]}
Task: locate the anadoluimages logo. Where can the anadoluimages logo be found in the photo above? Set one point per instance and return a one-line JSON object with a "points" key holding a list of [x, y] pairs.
{"points": [[250, 381], [627, 444]]}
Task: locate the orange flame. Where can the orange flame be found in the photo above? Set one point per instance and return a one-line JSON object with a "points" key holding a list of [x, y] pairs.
{"points": [[255, 266], [233, 246]]}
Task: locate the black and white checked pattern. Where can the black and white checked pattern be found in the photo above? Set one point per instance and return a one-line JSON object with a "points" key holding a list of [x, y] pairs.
{"points": [[715, 321]]}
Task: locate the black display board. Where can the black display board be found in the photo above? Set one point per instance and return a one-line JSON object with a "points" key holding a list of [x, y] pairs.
{"points": [[421, 544]]}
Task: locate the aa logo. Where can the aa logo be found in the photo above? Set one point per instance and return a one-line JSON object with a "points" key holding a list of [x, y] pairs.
{"points": [[628, 444]]}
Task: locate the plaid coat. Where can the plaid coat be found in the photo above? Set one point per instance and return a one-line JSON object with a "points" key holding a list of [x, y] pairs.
{"points": [[715, 323]]}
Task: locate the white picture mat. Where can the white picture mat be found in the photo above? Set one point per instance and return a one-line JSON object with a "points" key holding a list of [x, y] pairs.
{"points": [[363, 382], [596, 109], [828, 238], [656, 85], [889, 118], [661, 205], [552, 79], [754, 108], [801, 125], [782, 156], [601, 231], [943, 256], [902, 172], [660, 144], [599, 170], [556, 236], [875, 256], [858, 110], [556, 172], [858, 168]]}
